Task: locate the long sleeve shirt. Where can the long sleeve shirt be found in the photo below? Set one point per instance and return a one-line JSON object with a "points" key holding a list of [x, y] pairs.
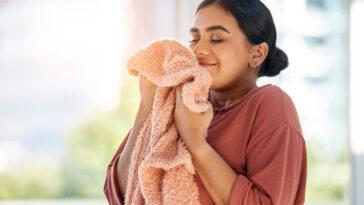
{"points": [[260, 137]]}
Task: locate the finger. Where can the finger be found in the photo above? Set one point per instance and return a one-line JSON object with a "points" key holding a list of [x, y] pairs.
{"points": [[178, 92], [177, 95]]}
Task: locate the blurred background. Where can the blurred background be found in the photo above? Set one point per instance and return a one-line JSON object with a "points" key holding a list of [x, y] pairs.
{"points": [[67, 102]]}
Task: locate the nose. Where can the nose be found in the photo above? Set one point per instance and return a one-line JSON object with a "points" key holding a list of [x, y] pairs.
{"points": [[200, 49]]}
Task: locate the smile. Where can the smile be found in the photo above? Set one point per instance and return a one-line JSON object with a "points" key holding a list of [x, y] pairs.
{"points": [[207, 65]]}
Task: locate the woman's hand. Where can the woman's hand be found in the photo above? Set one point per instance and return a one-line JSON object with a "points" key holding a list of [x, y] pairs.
{"points": [[192, 127]]}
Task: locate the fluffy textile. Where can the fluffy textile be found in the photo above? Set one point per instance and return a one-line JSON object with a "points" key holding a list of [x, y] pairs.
{"points": [[161, 169]]}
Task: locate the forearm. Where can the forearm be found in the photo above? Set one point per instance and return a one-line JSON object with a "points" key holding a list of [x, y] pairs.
{"points": [[218, 182], [124, 159]]}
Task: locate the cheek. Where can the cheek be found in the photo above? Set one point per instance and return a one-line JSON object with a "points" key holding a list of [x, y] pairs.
{"points": [[231, 58]]}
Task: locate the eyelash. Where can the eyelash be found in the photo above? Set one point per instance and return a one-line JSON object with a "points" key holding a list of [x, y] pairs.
{"points": [[212, 40]]}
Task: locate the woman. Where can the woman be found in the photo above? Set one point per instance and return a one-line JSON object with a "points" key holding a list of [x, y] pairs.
{"points": [[254, 152]]}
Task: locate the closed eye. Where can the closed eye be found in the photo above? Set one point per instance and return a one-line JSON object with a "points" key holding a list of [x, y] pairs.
{"points": [[216, 41], [212, 40]]}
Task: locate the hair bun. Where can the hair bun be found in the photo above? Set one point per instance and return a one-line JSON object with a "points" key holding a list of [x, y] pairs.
{"points": [[276, 62]]}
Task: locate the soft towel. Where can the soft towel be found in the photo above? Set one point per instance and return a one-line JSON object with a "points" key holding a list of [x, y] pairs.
{"points": [[161, 169]]}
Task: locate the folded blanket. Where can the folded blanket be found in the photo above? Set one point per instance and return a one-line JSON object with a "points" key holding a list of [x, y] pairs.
{"points": [[161, 169]]}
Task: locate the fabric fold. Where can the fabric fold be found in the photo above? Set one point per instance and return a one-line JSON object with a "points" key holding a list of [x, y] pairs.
{"points": [[161, 169]]}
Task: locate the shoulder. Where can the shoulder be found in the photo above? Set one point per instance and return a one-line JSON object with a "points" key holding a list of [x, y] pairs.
{"points": [[274, 108], [272, 95]]}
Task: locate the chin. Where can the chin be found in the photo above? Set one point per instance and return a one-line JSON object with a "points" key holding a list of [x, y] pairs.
{"points": [[212, 86], [217, 88]]}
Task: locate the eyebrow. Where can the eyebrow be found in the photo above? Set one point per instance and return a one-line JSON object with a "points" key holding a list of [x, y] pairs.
{"points": [[211, 28]]}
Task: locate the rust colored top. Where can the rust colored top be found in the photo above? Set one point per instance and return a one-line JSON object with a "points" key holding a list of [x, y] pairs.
{"points": [[260, 137]]}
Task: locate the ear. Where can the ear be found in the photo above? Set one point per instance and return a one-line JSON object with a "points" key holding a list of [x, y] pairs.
{"points": [[258, 54]]}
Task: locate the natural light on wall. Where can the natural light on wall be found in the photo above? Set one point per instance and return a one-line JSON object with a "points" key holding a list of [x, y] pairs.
{"points": [[357, 101], [356, 77], [58, 53], [60, 63]]}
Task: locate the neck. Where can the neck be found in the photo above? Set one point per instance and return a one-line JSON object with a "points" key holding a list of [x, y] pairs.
{"points": [[227, 97]]}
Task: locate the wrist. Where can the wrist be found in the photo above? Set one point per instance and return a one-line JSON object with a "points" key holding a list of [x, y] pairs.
{"points": [[199, 151], [147, 99], [142, 114], [198, 147], [146, 104]]}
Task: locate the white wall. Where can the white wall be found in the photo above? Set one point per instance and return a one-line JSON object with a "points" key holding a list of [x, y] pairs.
{"points": [[357, 100]]}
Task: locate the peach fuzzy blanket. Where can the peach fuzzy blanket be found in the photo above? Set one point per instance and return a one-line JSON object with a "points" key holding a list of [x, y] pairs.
{"points": [[161, 169]]}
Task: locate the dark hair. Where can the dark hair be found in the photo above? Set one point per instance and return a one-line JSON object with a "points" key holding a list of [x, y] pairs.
{"points": [[256, 22]]}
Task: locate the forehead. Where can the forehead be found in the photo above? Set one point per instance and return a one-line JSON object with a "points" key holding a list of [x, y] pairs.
{"points": [[215, 15]]}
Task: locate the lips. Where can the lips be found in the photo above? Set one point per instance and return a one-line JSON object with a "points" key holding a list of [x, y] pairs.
{"points": [[204, 62], [206, 65]]}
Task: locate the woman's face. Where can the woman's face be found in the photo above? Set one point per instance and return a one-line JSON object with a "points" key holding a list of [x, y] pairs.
{"points": [[221, 47]]}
